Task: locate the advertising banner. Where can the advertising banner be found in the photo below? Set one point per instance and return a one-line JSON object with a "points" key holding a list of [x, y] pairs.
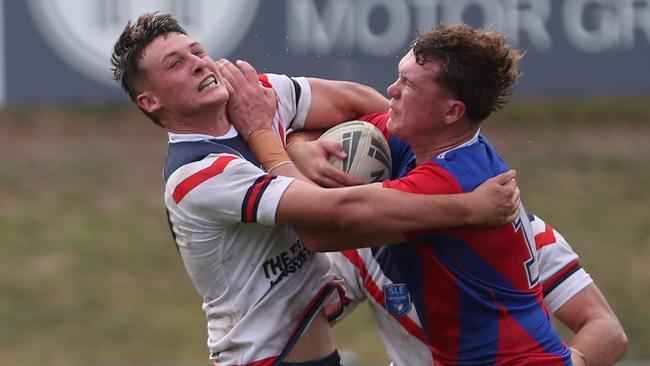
{"points": [[59, 50]]}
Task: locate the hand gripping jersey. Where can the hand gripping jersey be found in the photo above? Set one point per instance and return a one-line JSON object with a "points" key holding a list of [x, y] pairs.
{"points": [[463, 296], [260, 285]]}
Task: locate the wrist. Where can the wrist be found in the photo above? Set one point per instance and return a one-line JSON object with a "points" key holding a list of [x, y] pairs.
{"points": [[267, 148], [246, 134], [470, 211], [296, 137], [578, 358]]}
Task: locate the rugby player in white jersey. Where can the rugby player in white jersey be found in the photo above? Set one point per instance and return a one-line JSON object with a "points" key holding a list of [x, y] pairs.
{"points": [[262, 289], [569, 291]]}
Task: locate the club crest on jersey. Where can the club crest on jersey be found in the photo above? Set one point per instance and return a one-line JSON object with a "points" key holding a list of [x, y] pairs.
{"points": [[398, 299]]}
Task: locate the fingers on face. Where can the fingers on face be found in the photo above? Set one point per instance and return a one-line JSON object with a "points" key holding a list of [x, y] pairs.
{"points": [[223, 79], [248, 70], [230, 72]]}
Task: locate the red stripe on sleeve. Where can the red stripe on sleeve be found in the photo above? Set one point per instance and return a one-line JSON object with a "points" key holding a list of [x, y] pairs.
{"points": [[374, 291], [545, 238], [254, 196], [191, 182], [264, 79], [559, 276]]}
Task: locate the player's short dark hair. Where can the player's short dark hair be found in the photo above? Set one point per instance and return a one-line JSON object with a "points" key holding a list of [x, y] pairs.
{"points": [[477, 66], [127, 52]]}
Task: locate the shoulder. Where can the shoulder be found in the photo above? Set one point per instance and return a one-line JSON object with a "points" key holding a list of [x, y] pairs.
{"points": [[192, 174], [183, 153], [473, 164]]}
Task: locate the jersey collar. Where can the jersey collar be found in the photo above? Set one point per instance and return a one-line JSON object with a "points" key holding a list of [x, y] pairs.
{"points": [[192, 137], [469, 142]]}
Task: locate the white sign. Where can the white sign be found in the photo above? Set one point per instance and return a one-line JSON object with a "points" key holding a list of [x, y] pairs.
{"points": [[341, 26], [83, 32]]}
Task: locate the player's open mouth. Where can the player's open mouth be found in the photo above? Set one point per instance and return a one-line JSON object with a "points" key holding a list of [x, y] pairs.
{"points": [[209, 81]]}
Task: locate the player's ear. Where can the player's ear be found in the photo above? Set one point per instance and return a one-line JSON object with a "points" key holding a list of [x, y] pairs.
{"points": [[148, 102], [455, 111]]}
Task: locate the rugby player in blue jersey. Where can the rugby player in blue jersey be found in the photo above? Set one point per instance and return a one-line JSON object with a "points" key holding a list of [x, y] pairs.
{"points": [[474, 294]]}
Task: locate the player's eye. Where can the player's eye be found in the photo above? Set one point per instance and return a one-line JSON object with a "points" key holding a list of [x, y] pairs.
{"points": [[175, 63], [410, 84], [199, 53]]}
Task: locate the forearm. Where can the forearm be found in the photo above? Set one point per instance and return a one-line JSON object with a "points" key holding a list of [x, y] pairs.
{"points": [[370, 211]]}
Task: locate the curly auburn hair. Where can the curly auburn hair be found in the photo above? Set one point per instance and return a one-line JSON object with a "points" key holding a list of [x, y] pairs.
{"points": [[477, 66], [127, 52]]}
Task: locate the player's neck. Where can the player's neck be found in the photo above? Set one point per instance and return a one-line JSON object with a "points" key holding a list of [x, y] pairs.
{"points": [[430, 148], [213, 123]]}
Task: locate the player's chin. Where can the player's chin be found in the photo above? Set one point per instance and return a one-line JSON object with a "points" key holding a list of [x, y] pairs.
{"points": [[391, 125], [216, 96]]}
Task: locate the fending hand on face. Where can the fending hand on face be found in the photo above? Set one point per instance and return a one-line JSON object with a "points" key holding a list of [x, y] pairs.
{"points": [[250, 105], [497, 200]]}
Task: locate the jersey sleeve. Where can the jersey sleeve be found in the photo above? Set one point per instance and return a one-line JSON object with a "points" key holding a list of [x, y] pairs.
{"points": [[561, 274], [223, 189], [379, 120], [401, 154], [294, 99]]}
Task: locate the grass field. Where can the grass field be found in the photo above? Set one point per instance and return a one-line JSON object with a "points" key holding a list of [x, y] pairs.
{"points": [[89, 274]]}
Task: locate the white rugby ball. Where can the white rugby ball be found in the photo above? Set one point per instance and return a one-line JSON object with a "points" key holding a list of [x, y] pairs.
{"points": [[368, 152]]}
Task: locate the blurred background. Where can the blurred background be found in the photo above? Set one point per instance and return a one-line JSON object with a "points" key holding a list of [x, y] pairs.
{"points": [[89, 274]]}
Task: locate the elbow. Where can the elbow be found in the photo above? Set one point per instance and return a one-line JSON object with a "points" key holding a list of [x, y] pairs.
{"points": [[618, 339], [621, 341]]}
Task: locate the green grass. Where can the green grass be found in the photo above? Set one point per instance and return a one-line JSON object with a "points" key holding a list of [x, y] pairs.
{"points": [[89, 273]]}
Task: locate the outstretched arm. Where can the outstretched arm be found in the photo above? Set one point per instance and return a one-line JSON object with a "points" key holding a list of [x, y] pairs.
{"points": [[353, 217], [336, 101], [599, 335]]}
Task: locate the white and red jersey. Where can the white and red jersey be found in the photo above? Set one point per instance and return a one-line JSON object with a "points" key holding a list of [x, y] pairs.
{"points": [[260, 285], [560, 271], [366, 275]]}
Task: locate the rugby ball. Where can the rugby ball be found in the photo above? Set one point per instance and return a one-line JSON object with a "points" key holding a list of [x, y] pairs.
{"points": [[368, 154]]}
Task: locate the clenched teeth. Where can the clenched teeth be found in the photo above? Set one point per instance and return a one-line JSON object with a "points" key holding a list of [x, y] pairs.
{"points": [[207, 82]]}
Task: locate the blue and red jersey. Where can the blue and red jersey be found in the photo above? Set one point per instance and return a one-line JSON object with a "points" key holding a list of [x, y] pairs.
{"points": [[476, 289]]}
